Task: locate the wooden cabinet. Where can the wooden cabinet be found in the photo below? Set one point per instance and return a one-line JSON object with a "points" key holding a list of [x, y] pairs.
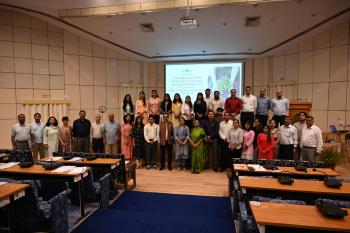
{"points": [[296, 107]]}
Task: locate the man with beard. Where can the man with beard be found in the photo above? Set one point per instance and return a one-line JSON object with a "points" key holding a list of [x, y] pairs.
{"points": [[217, 102]]}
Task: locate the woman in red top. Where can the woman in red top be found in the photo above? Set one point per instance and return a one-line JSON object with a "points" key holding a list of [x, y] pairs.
{"points": [[266, 144]]}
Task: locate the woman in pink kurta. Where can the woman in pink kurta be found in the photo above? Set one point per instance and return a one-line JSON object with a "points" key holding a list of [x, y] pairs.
{"points": [[142, 108], [248, 139], [65, 135], [127, 143]]}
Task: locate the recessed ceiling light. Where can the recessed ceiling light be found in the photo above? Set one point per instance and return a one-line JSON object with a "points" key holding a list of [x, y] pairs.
{"points": [[157, 53], [120, 13], [314, 14], [130, 30], [224, 24], [110, 33], [250, 49], [170, 28]]}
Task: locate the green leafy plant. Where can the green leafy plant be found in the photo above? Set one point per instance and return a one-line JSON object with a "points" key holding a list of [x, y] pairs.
{"points": [[333, 157], [295, 118]]}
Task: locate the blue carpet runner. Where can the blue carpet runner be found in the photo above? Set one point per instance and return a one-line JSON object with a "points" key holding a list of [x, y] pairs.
{"points": [[140, 212]]}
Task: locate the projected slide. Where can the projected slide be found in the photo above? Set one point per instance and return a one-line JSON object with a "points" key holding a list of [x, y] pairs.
{"points": [[189, 79]]}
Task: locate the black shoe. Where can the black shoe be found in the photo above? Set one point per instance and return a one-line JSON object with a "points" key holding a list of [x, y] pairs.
{"points": [[169, 168], [161, 168]]}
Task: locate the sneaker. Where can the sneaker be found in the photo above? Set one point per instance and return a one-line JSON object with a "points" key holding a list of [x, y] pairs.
{"points": [[148, 166], [161, 168], [154, 166]]}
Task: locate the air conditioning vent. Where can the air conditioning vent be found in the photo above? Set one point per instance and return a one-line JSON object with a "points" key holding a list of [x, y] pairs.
{"points": [[252, 21], [146, 27]]}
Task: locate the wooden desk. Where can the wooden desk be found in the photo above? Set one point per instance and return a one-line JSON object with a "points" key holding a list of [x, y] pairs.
{"points": [[301, 186], [98, 162], [112, 163], [10, 189], [9, 192], [295, 216], [38, 172], [310, 172]]}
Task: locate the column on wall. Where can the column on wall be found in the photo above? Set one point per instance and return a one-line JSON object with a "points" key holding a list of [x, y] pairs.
{"points": [[47, 108]]}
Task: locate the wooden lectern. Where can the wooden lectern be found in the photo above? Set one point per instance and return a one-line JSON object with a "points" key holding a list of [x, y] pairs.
{"points": [[296, 107]]}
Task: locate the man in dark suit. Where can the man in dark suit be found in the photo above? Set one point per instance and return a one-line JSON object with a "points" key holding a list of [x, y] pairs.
{"points": [[165, 138]]}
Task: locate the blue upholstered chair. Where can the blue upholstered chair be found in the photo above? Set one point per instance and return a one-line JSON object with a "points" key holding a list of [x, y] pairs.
{"points": [[94, 191], [32, 213]]}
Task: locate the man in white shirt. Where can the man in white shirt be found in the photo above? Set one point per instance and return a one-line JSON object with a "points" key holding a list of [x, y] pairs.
{"points": [[311, 141], [20, 134], [299, 126], [217, 102], [36, 132], [249, 107], [151, 133], [112, 132], [223, 152], [208, 100], [288, 140], [96, 135], [279, 108]]}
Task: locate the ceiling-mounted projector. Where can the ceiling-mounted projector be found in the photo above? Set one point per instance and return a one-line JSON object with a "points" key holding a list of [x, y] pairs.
{"points": [[189, 23]]}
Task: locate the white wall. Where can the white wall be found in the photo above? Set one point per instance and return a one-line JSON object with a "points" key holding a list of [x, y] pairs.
{"points": [[320, 68], [41, 61]]}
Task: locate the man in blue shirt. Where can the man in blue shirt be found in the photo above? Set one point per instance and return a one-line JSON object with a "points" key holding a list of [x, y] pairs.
{"points": [[279, 108], [111, 131], [263, 107], [36, 132]]}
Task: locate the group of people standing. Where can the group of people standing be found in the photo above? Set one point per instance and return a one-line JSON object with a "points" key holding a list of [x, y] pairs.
{"points": [[209, 132]]}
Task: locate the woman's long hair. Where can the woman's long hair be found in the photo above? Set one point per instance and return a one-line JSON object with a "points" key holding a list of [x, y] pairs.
{"points": [[177, 101], [202, 99], [268, 135], [48, 121], [125, 103], [189, 103], [140, 124], [144, 98]]}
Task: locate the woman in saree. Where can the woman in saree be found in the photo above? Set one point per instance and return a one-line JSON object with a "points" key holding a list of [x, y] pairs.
{"points": [[197, 137]]}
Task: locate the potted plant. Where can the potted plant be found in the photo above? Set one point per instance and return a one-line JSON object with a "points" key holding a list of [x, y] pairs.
{"points": [[332, 157]]}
